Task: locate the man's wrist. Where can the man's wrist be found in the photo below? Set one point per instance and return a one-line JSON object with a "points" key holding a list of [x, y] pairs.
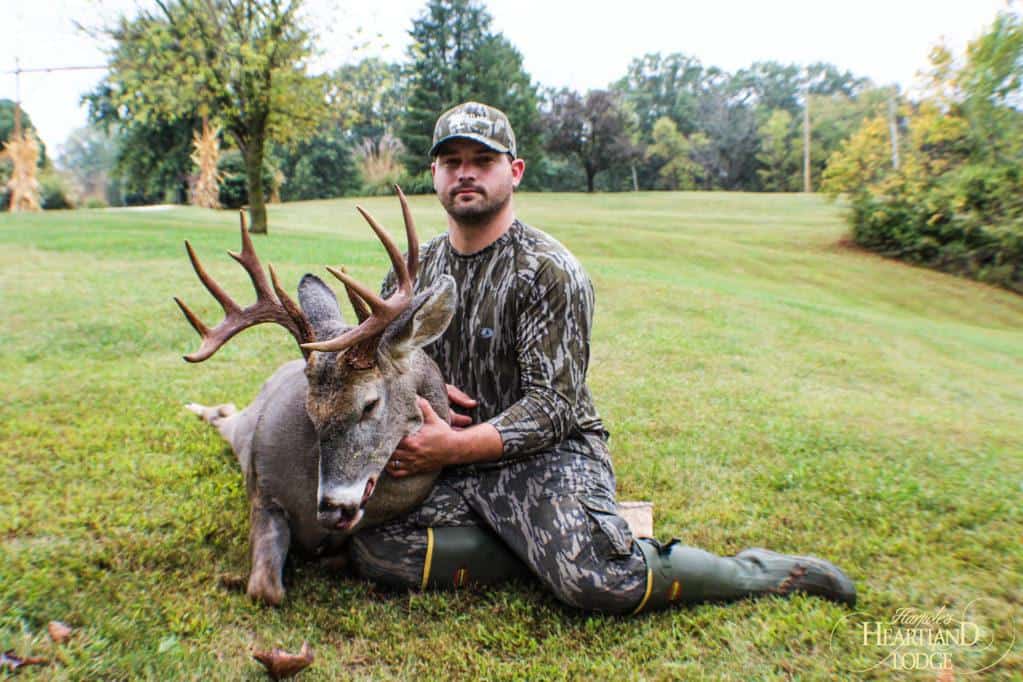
{"points": [[479, 443]]}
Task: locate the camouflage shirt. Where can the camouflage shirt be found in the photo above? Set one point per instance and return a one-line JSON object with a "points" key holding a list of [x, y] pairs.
{"points": [[519, 342]]}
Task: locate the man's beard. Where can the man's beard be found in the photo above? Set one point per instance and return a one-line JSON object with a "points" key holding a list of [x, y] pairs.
{"points": [[475, 214]]}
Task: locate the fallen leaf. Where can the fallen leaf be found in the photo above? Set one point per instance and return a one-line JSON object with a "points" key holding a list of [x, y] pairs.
{"points": [[59, 632], [281, 664], [11, 662]]}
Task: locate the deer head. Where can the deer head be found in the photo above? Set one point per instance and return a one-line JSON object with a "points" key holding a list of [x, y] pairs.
{"points": [[363, 379]]}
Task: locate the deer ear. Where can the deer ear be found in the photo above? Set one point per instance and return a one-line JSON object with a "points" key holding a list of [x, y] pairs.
{"points": [[423, 322], [320, 305]]}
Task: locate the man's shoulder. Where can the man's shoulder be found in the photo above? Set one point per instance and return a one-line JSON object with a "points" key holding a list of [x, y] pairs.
{"points": [[433, 245], [542, 254]]}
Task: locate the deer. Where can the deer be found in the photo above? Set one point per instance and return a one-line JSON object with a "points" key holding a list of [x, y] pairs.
{"points": [[314, 444]]}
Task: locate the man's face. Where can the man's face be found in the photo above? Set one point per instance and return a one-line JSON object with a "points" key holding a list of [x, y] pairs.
{"points": [[473, 181]]}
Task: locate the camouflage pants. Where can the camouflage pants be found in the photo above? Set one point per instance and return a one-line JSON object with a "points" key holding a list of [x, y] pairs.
{"points": [[556, 512]]}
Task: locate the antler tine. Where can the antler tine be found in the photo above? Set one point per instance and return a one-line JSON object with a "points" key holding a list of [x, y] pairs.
{"points": [[268, 307], [412, 239], [362, 310], [400, 269], [225, 301], [250, 261], [293, 310], [375, 302], [366, 335], [192, 318]]}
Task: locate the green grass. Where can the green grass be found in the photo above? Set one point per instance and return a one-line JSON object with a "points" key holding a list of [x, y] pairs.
{"points": [[765, 385]]}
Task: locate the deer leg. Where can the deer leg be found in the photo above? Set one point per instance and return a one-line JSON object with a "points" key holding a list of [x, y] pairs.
{"points": [[269, 538]]}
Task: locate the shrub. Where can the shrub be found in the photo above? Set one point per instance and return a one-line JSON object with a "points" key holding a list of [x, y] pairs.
{"points": [[56, 191], [955, 202]]}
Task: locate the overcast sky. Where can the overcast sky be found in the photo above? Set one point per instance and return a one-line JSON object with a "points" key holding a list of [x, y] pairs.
{"points": [[564, 43]]}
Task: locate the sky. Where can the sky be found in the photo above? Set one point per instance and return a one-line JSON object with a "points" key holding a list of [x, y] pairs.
{"points": [[564, 43]]}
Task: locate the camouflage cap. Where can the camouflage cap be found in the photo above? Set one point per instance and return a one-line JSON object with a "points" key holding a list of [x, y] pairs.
{"points": [[475, 121]]}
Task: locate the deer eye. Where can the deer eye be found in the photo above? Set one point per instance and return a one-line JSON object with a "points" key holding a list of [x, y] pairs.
{"points": [[370, 406]]}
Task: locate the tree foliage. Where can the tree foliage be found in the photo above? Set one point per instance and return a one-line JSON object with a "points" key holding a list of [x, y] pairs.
{"points": [[89, 155], [593, 129], [676, 154], [241, 62], [954, 202], [456, 57]]}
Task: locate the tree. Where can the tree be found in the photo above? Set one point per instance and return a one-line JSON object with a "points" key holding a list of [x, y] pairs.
{"points": [[953, 202], [675, 152], [594, 130], [656, 86], [321, 167], [730, 125], [90, 155], [241, 62], [367, 99], [456, 58], [779, 153]]}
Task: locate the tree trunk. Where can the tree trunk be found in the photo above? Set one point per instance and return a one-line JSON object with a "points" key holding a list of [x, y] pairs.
{"points": [[590, 173], [253, 153]]}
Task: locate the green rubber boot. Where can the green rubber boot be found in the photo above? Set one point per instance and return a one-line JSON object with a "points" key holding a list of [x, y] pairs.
{"points": [[458, 556], [677, 574]]}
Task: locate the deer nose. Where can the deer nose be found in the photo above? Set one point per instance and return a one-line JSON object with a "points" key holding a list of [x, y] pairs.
{"points": [[346, 510]]}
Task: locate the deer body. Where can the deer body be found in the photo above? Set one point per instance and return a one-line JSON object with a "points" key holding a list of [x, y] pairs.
{"points": [[314, 443]]}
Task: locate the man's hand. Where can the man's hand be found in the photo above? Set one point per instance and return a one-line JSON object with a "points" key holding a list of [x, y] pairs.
{"points": [[458, 398], [437, 444], [428, 449]]}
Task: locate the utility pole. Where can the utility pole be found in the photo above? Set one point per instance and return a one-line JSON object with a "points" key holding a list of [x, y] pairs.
{"points": [[893, 130], [17, 99], [806, 136]]}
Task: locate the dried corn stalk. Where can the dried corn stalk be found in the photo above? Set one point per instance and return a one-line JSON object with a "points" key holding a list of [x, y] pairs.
{"points": [[275, 187], [23, 151], [379, 162], [206, 155]]}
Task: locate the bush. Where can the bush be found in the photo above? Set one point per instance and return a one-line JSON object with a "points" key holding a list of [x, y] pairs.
{"points": [[55, 191], [421, 183], [954, 203]]}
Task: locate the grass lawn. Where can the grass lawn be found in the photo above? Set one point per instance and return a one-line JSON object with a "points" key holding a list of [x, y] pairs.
{"points": [[764, 384]]}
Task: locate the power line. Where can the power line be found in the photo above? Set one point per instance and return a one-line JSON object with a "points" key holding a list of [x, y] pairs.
{"points": [[47, 69]]}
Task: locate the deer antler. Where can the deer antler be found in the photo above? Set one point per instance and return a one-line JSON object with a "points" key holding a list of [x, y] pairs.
{"points": [[374, 312], [268, 307]]}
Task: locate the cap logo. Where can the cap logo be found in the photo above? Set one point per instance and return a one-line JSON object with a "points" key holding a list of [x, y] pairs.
{"points": [[469, 122]]}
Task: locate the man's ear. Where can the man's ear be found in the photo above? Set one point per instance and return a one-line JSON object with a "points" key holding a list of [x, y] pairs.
{"points": [[320, 305], [423, 322], [518, 170]]}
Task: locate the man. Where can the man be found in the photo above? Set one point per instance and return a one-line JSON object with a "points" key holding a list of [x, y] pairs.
{"points": [[527, 485]]}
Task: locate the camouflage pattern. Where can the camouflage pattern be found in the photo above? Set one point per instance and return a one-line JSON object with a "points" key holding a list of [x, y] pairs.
{"points": [[554, 511], [519, 342], [475, 121]]}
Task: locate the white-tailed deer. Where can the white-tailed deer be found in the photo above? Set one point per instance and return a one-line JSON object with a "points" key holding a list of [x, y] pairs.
{"points": [[314, 443]]}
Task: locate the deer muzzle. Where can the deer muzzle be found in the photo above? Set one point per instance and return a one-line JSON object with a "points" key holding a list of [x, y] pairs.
{"points": [[341, 508]]}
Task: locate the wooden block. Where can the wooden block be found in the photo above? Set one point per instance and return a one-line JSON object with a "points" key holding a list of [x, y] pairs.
{"points": [[639, 516]]}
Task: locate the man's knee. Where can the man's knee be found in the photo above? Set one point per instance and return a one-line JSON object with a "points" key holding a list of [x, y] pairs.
{"points": [[618, 597]]}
